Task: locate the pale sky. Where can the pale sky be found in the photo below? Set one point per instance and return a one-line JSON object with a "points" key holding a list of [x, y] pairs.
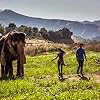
{"points": [[76, 10]]}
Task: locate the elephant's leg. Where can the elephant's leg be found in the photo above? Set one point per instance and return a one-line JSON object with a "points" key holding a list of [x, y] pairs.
{"points": [[2, 70], [18, 69], [6, 70], [22, 70], [10, 68]]}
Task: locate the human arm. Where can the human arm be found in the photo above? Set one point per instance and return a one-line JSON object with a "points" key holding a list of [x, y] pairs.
{"points": [[85, 56], [63, 52], [54, 58], [77, 55]]}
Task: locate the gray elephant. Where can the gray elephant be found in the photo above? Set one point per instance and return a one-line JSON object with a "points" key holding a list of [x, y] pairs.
{"points": [[12, 48]]}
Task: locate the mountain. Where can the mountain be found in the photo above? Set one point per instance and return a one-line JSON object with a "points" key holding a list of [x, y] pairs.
{"points": [[0, 10], [97, 22], [8, 16], [83, 29], [78, 39], [96, 38]]}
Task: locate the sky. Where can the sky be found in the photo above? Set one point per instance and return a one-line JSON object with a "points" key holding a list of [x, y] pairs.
{"points": [[75, 10]]}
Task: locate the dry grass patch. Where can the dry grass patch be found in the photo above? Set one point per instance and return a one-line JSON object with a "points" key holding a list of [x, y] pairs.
{"points": [[34, 46]]}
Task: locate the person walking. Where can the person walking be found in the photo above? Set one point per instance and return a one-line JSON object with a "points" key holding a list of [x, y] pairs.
{"points": [[60, 62], [80, 55]]}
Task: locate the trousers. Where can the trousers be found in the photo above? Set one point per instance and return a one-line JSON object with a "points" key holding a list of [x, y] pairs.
{"points": [[80, 66]]}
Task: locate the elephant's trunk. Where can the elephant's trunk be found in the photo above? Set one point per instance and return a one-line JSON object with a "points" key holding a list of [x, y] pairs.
{"points": [[21, 58]]}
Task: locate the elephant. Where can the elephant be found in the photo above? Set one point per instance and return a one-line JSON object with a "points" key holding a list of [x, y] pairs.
{"points": [[12, 48]]}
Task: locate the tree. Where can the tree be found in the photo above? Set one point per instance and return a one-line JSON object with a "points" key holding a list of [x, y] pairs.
{"points": [[66, 33], [21, 28], [35, 31], [10, 27], [1, 29], [28, 31], [43, 31]]}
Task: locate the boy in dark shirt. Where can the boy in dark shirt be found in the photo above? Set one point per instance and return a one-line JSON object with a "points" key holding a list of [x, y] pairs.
{"points": [[80, 54], [60, 62]]}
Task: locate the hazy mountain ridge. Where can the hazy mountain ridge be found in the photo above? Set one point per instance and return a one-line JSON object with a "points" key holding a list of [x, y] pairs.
{"points": [[0, 10], [96, 38], [84, 29], [96, 22], [78, 39]]}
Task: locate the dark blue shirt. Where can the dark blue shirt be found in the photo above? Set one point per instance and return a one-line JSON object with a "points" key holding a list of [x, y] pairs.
{"points": [[80, 54]]}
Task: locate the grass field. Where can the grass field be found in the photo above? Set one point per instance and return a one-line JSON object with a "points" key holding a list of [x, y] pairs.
{"points": [[41, 80]]}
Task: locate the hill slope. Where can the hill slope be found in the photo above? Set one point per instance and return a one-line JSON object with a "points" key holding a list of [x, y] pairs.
{"points": [[84, 29]]}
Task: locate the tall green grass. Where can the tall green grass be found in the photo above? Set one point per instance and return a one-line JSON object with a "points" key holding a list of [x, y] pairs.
{"points": [[41, 80]]}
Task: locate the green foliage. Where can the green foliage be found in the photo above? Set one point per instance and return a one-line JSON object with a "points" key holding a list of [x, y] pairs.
{"points": [[35, 31], [10, 27], [61, 36], [41, 81], [1, 29]]}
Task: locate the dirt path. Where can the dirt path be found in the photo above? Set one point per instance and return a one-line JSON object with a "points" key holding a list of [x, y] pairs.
{"points": [[75, 77]]}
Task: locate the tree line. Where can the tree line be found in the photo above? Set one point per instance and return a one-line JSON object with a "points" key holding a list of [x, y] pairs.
{"points": [[62, 35]]}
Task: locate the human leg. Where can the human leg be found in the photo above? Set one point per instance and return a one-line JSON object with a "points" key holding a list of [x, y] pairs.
{"points": [[79, 64], [81, 68], [62, 71], [59, 68]]}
